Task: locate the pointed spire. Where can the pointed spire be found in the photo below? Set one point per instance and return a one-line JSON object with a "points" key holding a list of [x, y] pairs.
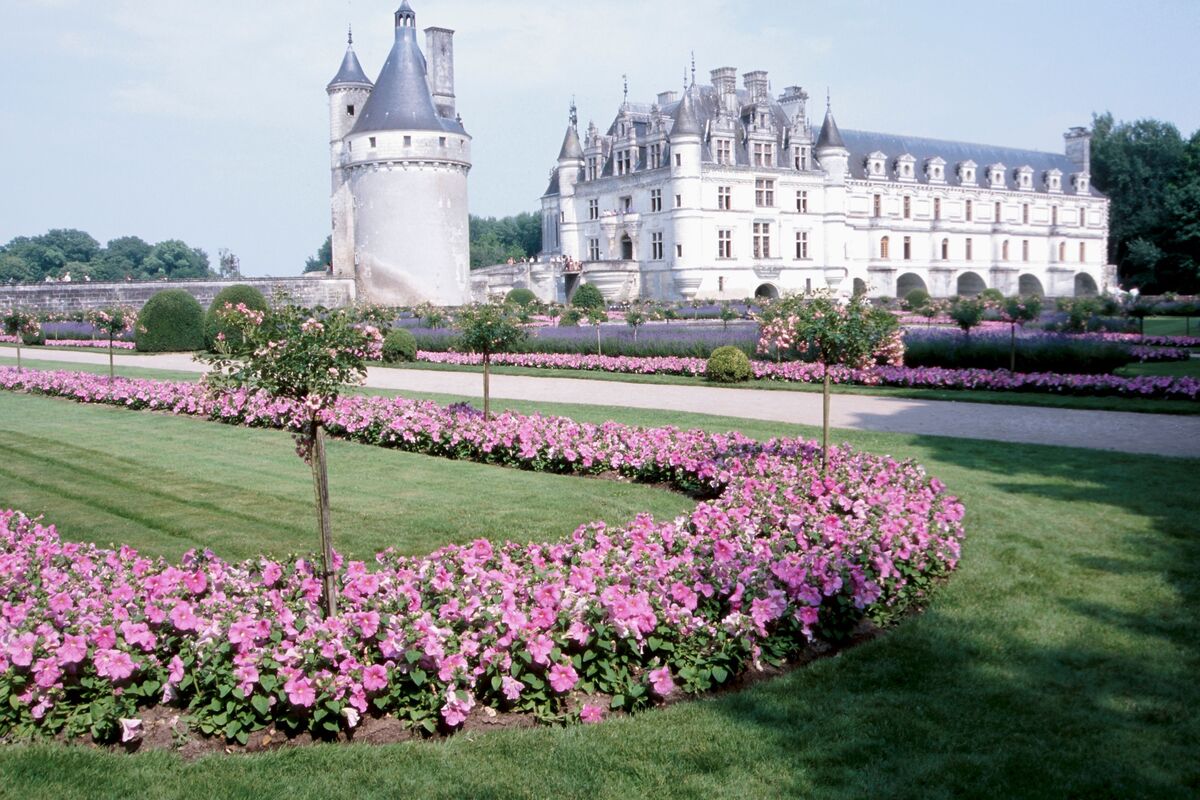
{"points": [[830, 136], [401, 99], [350, 35], [350, 74], [625, 78], [571, 150], [693, 68], [685, 122]]}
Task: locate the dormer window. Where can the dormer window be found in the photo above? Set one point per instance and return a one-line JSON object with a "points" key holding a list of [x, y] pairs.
{"points": [[801, 157], [905, 167], [724, 151], [935, 170], [764, 154], [875, 168], [966, 172], [624, 162], [1054, 180], [1024, 178], [655, 156], [996, 176], [1080, 181]]}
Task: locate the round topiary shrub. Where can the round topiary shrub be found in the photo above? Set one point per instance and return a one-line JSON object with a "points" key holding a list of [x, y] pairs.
{"points": [[916, 299], [238, 293], [399, 345], [172, 321], [521, 297], [727, 365], [588, 296]]}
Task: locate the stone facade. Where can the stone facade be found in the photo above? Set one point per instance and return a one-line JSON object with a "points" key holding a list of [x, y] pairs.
{"points": [[59, 297], [724, 193], [399, 163]]}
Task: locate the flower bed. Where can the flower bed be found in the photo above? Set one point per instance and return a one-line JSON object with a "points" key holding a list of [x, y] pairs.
{"points": [[779, 557], [92, 343], [1153, 387]]}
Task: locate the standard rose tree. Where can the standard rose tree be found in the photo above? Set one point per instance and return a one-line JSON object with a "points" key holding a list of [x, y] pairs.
{"points": [[296, 354], [113, 322], [486, 329], [22, 325]]}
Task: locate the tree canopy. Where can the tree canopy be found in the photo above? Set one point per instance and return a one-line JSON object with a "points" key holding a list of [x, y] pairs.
{"points": [[58, 252], [494, 241], [1151, 173]]}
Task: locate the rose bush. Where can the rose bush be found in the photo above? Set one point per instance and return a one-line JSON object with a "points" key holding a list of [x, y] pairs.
{"points": [[776, 557]]}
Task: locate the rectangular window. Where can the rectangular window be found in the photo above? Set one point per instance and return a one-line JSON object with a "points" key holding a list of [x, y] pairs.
{"points": [[802, 202], [1054, 215], [1082, 252], [908, 248], [764, 193], [627, 204], [593, 209], [441, 141], [656, 246], [656, 199], [764, 154], [679, 201], [350, 110], [802, 245], [408, 141], [970, 211], [1025, 214], [969, 254], [762, 240], [724, 244], [801, 161], [679, 251], [593, 169], [724, 151], [724, 198], [937, 208], [624, 162], [1025, 250], [1082, 218], [679, 159], [720, 283], [878, 206], [372, 141], [593, 249], [999, 212], [907, 207], [655, 156]]}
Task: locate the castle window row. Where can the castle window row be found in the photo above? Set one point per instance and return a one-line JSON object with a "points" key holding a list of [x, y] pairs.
{"points": [[999, 214], [968, 250]]}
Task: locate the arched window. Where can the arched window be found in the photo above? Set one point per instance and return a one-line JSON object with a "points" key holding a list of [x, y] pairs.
{"points": [[883, 247], [1062, 251], [1082, 252], [1004, 251], [1024, 249], [945, 249]]}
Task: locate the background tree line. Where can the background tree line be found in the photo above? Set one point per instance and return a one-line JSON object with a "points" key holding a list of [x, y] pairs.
{"points": [[64, 251], [493, 241], [1151, 173]]}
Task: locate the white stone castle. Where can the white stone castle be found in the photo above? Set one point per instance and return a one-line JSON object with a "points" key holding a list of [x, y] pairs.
{"points": [[400, 158], [725, 193]]}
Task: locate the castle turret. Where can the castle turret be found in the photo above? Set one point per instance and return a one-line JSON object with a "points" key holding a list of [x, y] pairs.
{"points": [[688, 217], [406, 166], [348, 93], [834, 159]]}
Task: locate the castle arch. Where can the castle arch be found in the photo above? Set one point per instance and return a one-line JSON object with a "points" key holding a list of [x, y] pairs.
{"points": [[970, 285], [1085, 285], [1030, 285], [909, 281]]}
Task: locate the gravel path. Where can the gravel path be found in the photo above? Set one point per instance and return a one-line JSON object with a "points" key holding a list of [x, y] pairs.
{"points": [[1158, 434]]}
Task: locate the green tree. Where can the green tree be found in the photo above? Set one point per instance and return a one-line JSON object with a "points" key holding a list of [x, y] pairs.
{"points": [[113, 321], [323, 259], [122, 257], [173, 259], [22, 324], [1017, 311], [489, 328], [967, 312], [296, 354]]}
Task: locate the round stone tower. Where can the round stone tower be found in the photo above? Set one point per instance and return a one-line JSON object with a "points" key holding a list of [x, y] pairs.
{"points": [[400, 175]]}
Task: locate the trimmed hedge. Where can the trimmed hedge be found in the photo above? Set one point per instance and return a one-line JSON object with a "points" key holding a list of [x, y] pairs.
{"points": [[239, 293], [172, 321], [399, 345], [588, 296], [521, 297], [727, 365]]}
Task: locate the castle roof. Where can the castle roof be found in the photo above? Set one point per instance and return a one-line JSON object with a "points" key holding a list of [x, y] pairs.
{"points": [[862, 143], [830, 136], [571, 148], [685, 121], [350, 74], [401, 100]]}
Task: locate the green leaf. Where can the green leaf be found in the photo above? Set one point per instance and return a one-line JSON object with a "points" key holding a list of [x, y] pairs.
{"points": [[419, 677], [261, 704], [720, 674], [618, 701]]}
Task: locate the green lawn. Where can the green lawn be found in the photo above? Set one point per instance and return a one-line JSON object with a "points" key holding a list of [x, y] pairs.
{"points": [[1175, 369], [1172, 326], [1060, 661]]}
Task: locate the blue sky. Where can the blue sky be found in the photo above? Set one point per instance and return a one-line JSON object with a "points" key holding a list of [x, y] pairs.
{"points": [[207, 121]]}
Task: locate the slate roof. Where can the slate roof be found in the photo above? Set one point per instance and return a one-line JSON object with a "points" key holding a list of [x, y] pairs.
{"points": [[862, 143], [571, 148], [350, 74], [401, 100], [830, 136]]}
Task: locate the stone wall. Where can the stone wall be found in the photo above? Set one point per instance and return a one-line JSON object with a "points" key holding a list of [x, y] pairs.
{"points": [[46, 297]]}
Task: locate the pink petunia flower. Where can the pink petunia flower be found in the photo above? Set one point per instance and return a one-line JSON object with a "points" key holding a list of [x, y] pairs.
{"points": [[563, 678]]}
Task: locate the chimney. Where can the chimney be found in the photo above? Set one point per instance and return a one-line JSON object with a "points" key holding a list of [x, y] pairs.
{"points": [[666, 98], [1079, 148], [757, 85], [439, 51], [794, 100], [724, 79]]}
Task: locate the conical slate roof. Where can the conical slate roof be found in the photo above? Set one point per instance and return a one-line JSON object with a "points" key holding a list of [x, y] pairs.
{"points": [[350, 74], [686, 123], [401, 100], [571, 148], [830, 136]]}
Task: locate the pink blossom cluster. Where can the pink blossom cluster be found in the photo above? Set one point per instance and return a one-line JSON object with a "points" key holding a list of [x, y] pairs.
{"points": [[98, 343], [1160, 387], [779, 555]]}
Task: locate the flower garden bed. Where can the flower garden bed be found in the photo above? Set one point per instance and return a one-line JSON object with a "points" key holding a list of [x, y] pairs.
{"points": [[777, 557], [87, 343], [1150, 387]]}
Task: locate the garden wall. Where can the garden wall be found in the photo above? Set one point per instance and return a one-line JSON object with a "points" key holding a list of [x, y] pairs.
{"points": [[48, 297]]}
